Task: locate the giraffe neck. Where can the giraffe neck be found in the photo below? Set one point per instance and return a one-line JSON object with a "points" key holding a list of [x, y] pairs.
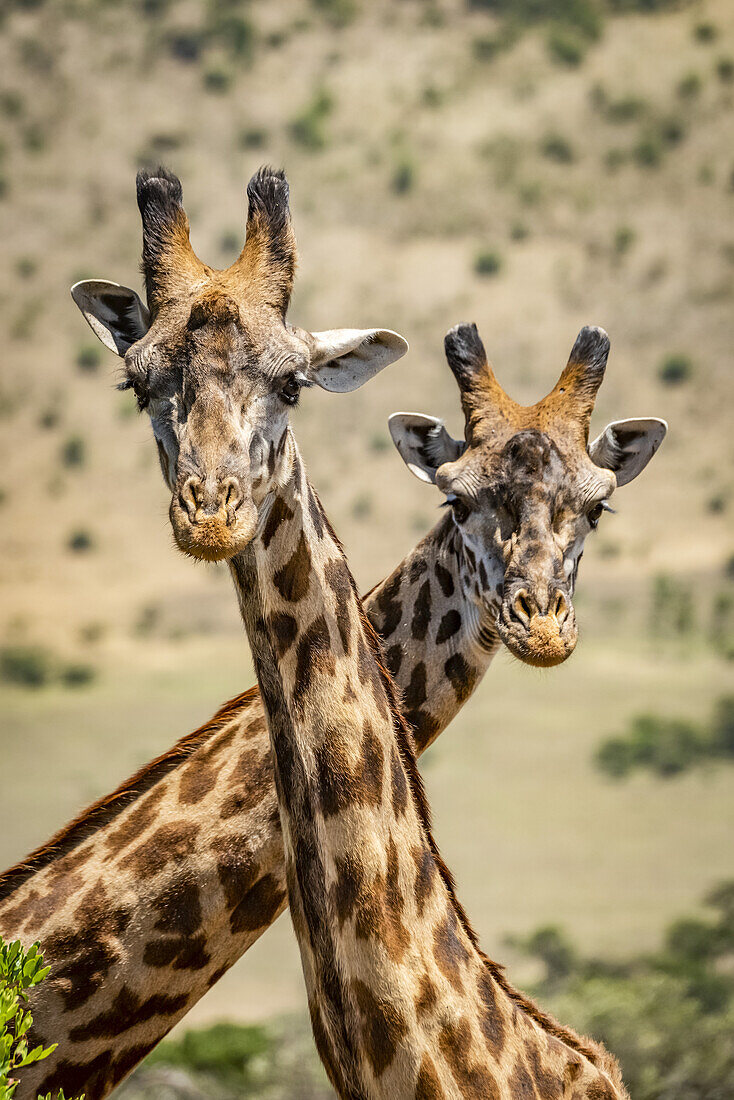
{"points": [[191, 850], [402, 1000], [438, 643]]}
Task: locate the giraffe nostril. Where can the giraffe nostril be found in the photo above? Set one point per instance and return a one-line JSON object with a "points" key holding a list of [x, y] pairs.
{"points": [[190, 495], [232, 497], [560, 608], [521, 607]]}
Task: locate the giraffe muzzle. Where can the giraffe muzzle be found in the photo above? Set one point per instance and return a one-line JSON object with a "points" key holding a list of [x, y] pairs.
{"points": [[539, 629], [212, 518]]}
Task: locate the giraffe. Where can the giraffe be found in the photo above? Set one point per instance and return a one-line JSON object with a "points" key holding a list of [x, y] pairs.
{"points": [[403, 1002], [231, 833]]}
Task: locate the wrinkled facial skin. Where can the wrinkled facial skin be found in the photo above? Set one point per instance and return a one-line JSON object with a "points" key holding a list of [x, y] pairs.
{"points": [[218, 399], [523, 514]]}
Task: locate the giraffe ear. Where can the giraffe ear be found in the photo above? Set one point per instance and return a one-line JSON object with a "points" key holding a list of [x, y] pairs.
{"points": [[626, 446], [114, 313], [423, 443], [344, 359]]}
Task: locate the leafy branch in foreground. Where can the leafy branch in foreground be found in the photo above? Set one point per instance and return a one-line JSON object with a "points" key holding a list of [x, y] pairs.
{"points": [[20, 970]]}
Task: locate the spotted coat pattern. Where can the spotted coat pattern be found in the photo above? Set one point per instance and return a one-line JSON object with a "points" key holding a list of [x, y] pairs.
{"points": [[403, 1002], [191, 850]]}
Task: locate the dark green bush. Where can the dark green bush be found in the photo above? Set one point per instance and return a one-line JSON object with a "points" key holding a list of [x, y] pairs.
{"points": [[338, 12], [403, 175], [675, 369], [77, 675], [26, 666], [308, 128], [689, 86], [668, 746], [648, 152], [557, 148], [73, 451], [80, 541], [252, 137], [725, 70], [624, 238], [566, 46], [217, 79], [667, 1015], [487, 262], [705, 32], [89, 357], [227, 1050]]}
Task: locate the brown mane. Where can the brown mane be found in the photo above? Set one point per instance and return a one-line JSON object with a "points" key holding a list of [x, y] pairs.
{"points": [[107, 808]]}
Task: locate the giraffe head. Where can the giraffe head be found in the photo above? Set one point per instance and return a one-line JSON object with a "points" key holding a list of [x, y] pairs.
{"points": [[526, 487], [214, 362]]}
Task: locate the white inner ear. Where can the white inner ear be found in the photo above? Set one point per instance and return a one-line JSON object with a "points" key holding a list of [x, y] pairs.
{"points": [[628, 456], [115, 313], [344, 359], [423, 443]]}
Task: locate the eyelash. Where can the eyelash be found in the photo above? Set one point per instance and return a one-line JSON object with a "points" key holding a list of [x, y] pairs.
{"points": [[458, 506], [142, 398], [594, 514]]}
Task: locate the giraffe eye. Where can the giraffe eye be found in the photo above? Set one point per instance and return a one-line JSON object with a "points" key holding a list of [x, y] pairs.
{"points": [[290, 391], [594, 515], [459, 508], [141, 394]]}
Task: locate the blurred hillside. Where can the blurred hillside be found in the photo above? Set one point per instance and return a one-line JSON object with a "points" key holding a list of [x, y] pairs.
{"points": [[448, 162]]}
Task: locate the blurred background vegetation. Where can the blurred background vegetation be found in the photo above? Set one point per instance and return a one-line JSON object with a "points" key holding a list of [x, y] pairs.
{"points": [[529, 165]]}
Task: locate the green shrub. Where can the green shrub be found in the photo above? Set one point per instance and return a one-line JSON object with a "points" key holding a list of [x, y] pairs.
{"points": [[671, 130], [689, 86], [228, 1051], [557, 148], [519, 231], [403, 175], [186, 44], [338, 12], [487, 262], [26, 666], [89, 357], [233, 32], [80, 541], [725, 70], [624, 238], [26, 267], [230, 241], [566, 46], [362, 506], [626, 109], [252, 137], [217, 79], [308, 128], [77, 675], [705, 32], [648, 152], [675, 369], [73, 451], [48, 419]]}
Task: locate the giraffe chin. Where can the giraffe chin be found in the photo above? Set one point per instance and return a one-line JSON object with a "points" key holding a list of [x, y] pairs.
{"points": [[212, 538], [544, 644]]}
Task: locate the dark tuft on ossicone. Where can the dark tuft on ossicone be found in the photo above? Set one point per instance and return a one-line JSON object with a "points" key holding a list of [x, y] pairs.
{"points": [[158, 187], [267, 196], [591, 348], [464, 351]]}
